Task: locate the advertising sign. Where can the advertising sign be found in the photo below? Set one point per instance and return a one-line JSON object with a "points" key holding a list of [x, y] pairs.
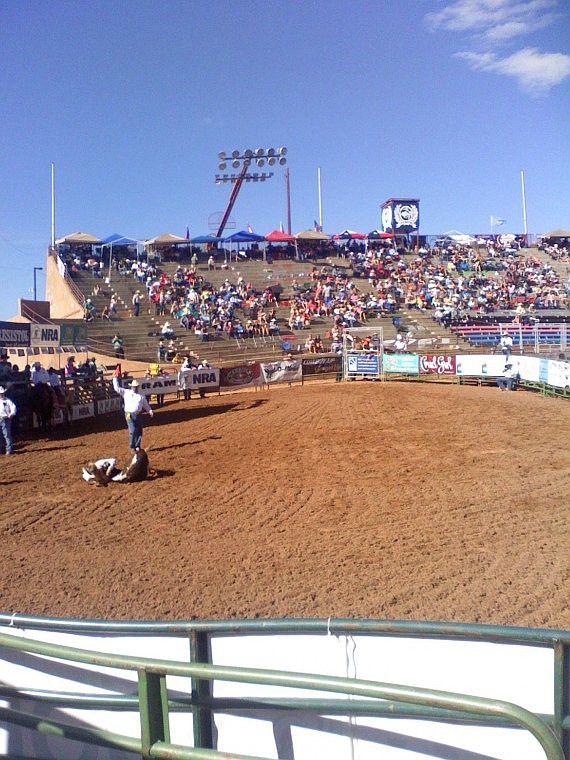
{"points": [[436, 364], [406, 363], [14, 335], [82, 411], [285, 371], [245, 374], [362, 363], [322, 365], [44, 335], [106, 405], [73, 335]]}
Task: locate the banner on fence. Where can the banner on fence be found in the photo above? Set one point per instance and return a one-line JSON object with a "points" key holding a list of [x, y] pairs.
{"points": [[285, 371], [405, 363], [557, 374], [244, 374], [14, 335], [44, 336], [73, 335], [434, 364], [363, 363], [82, 411], [106, 405], [322, 365]]}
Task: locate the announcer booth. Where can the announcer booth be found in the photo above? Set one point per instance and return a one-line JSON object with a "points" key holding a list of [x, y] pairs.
{"points": [[401, 216]]}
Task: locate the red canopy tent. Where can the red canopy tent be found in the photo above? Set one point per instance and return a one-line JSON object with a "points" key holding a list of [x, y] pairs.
{"points": [[276, 236]]}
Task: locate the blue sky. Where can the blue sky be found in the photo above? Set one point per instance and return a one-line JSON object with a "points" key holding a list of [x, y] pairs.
{"points": [[446, 101]]}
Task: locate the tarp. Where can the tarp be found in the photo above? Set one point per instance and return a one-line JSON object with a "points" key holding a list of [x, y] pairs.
{"points": [[312, 235], [204, 239], [78, 238], [167, 238], [116, 239], [349, 235], [461, 238], [243, 236], [277, 236]]}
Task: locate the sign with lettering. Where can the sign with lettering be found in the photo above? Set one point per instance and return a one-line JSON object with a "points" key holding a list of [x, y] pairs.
{"points": [[321, 365], [14, 334], [282, 372], [363, 363], [245, 374], [405, 363], [106, 405], [435, 364], [83, 411], [44, 335]]}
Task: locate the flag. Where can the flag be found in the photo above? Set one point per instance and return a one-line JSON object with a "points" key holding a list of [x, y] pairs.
{"points": [[318, 227], [496, 220], [249, 227], [187, 233]]}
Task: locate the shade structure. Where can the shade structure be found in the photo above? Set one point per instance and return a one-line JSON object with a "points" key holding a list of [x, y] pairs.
{"points": [[557, 233], [116, 239], [277, 236], [379, 235], [349, 235], [78, 238], [243, 236], [167, 238], [312, 235], [205, 239]]}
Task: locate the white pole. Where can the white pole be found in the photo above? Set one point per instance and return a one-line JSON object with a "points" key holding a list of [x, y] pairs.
{"points": [[524, 204], [320, 199], [52, 205], [491, 226]]}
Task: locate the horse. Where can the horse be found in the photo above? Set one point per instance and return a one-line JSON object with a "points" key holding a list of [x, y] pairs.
{"points": [[42, 403]]}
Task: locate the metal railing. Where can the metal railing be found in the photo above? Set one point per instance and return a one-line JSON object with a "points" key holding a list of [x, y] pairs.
{"points": [[382, 699]]}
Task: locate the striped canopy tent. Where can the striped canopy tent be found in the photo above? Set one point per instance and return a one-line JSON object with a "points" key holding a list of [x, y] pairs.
{"points": [[312, 235], [349, 235], [78, 238]]}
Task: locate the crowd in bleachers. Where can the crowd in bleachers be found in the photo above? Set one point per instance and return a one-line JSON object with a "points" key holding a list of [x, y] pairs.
{"points": [[453, 283]]}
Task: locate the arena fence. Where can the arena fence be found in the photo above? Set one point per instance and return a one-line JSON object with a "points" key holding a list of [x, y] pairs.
{"points": [[67, 686]]}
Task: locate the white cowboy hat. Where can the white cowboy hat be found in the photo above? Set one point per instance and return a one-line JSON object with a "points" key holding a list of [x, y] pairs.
{"points": [[2, 389], [135, 383]]}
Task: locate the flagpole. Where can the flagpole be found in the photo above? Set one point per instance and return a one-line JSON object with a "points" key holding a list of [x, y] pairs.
{"points": [[52, 205], [320, 198], [524, 206], [288, 198]]}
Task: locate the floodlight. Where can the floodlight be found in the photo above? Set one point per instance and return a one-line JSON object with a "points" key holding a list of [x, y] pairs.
{"points": [[248, 153], [260, 161], [282, 151], [246, 162], [282, 160], [271, 160], [271, 152], [235, 154], [222, 156], [235, 163], [222, 165], [259, 152]]}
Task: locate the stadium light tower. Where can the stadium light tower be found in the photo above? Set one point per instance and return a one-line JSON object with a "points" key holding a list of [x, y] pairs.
{"points": [[258, 157]]}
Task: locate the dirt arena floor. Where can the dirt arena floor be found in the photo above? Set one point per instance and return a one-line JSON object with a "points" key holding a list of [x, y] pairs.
{"points": [[371, 500]]}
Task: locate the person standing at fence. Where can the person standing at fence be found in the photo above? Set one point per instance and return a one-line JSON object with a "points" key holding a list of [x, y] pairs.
{"points": [[135, 406], [7, 412], [507, 380]]}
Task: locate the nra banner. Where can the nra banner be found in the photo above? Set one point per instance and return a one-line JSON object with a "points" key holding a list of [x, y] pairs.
{"points": [[245, 374], [282, 372], [435, 364], [44, 336], [14, 335], [322, 365]]}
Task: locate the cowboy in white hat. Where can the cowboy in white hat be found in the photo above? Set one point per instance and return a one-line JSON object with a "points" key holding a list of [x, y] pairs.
{"points": [[7, 412], [135, 405]]}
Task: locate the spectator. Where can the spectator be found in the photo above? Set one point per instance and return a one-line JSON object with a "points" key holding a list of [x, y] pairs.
{"points": [[118, 347]]}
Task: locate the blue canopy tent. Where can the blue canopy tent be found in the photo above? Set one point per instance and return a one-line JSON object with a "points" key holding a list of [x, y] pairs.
{"points": [[243, 236], [205, 239], [116, 240]]}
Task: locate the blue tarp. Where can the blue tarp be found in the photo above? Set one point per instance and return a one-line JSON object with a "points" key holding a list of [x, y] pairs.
{"points": [[203, 239], [244, 237], [116, 239]]}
